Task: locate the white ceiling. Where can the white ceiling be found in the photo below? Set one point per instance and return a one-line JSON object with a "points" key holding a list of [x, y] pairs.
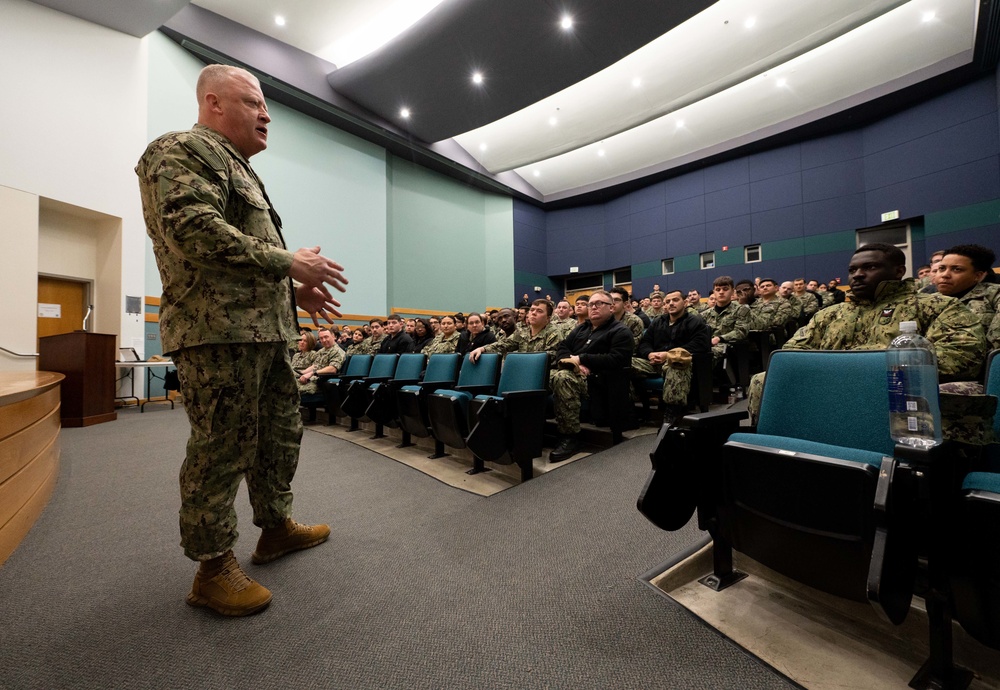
{"points": [[710, 84]]}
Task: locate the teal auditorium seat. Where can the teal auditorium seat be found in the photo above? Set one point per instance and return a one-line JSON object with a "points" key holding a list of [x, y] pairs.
{"points": [[510, 425], [381, 396], [411, 399], [448, 409], [354, 398], [974, 536], [329, 387]]}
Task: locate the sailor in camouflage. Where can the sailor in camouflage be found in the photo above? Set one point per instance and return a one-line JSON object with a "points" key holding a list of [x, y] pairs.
{"points": [[446, 341], [539, 336], [961, 273], [880, 301], [768, 311], [621, 307], [728, 319], [655, 305], [227, 318], [326, 362]]}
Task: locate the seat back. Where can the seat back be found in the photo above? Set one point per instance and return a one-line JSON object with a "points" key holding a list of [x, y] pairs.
{"points": [[992, 386], [409, 367], [359, 365], [524, 371], [483, 372], [442, 367], [383, 366], [844, 384]]}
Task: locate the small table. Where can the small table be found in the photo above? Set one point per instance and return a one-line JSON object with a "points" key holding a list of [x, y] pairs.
{"points": [[148, 366]]}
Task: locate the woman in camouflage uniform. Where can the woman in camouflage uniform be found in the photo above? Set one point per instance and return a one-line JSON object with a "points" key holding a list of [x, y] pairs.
{"points": [[356, 346], [306, 352], [446, 341]]}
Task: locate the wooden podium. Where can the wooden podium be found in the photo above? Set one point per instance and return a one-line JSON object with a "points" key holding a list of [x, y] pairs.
{"points": [[87, 360]]}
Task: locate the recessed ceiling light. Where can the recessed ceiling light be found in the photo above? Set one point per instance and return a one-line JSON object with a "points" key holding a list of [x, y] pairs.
{"points": [[482, 147], [600, 153], [477, 77], [928, 16], [537, 173], [566, 22], [553, 121], [279, 20], [404, 113], [749, 23], [680, 124], [636, 82], [782, 83]]}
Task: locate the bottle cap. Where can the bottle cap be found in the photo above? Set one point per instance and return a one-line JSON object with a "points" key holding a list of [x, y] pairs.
{"points": [[908, 327]]}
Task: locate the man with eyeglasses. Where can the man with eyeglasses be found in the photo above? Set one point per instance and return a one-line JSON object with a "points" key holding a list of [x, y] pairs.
{"points": [[597, 348]]}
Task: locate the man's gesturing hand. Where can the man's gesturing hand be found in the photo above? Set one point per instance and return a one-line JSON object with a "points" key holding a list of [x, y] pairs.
{"points": [[317, 302], [312, 269]]}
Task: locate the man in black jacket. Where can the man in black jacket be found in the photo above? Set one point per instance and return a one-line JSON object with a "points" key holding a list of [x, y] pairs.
{"points": [[397, 341], [599, 346], [680, 329]]}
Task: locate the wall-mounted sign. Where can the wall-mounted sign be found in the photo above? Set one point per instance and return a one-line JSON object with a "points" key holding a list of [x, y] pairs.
{"points": [[49, 311]]}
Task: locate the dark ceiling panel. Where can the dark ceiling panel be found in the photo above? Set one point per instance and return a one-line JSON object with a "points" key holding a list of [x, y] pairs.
{"points": [[135, 17], [517, 44]]}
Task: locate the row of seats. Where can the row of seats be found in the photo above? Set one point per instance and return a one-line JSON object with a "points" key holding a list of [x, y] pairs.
{"points": [[498, 415], [821, 494]]}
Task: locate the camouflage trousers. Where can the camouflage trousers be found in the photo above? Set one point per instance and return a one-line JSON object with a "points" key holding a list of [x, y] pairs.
{"points": [[966, 414], [242, 404], [568, 391], [676, 382]]}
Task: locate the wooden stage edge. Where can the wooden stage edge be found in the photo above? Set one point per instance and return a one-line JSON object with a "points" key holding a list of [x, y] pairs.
{"points": [[29, 451]]}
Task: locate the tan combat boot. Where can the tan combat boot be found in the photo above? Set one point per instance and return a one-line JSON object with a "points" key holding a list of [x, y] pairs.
{"points": [[221, 585], [275, 542]]}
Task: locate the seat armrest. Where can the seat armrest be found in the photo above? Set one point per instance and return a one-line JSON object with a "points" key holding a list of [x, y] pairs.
{"points": [[728, 417]]}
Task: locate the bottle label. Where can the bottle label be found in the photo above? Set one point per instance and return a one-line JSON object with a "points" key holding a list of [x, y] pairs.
{"points": [[912, 424]]}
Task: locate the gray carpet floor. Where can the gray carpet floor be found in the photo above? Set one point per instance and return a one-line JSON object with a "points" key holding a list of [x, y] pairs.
{"points": [[420, 586]]}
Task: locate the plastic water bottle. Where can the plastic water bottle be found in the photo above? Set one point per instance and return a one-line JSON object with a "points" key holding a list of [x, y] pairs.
{"points": [[914, 413]]}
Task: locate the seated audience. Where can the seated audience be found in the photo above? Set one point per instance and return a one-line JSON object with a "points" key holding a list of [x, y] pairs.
{"points": [[357, 346], [305, 353], [621, 300], [880, 301], [325, 363], [727, 319], [423, 333]]}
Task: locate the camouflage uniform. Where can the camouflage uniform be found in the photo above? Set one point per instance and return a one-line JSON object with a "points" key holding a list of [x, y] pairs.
{"points": [[302, 360], [441, 345], [653, 313], [730, 325], [956, 333], [356, 349], [327, 357], [634, 324], [983, 300], [563, 326], [810, 305], [371, 345], [547, 340], [796, 305], [227, 319], [766, 315]]}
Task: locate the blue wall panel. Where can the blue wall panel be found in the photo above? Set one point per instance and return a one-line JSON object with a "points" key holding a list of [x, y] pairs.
{"points": [[728, 174], [833, 180], [783, 161], [779, 224], [832, 149], [731, 232], [726, 203], [685, 213], [972, 101], [649, 222], [689, 185], [833, 215], [776, 192], [801, 202]]}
